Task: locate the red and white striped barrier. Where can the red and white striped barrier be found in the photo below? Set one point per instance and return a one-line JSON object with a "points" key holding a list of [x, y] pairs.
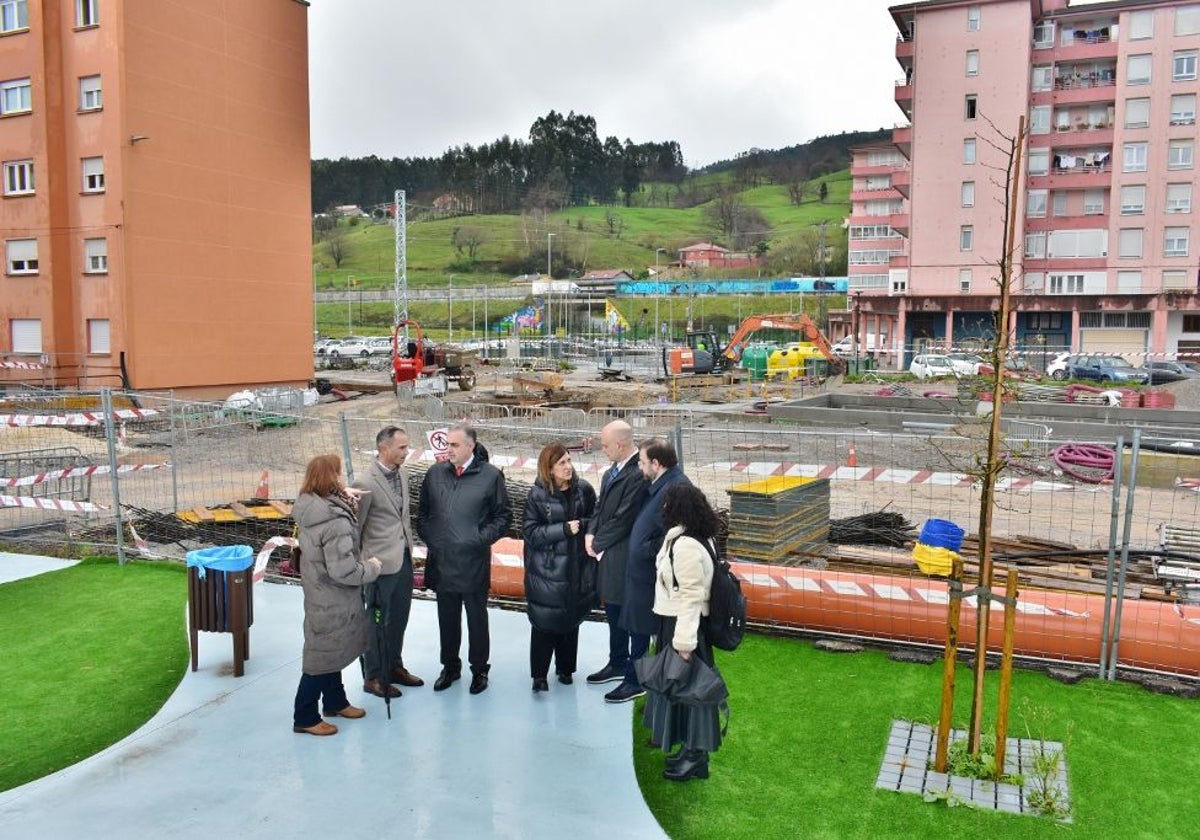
{"points": [[22, 365], [516, 462], [885, 475], [76, 472], [79, 418], [38, 503]]}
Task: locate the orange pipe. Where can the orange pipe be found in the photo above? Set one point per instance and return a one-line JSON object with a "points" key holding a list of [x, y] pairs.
{"points": [[1049, 624]]}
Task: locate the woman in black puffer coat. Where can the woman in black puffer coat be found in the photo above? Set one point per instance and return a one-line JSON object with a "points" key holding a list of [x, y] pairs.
{"points": [[560, 579]]}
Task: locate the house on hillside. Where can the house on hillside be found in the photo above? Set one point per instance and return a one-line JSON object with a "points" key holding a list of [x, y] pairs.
{"points": [[349, 211], [708, 255], [449, 204], [603, 283]]}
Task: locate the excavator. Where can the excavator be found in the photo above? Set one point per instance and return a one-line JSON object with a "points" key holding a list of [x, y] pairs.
{"points": [[703, 353]]}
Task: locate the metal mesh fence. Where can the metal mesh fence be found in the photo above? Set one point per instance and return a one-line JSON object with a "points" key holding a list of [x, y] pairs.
{"points": [[78, 470]]}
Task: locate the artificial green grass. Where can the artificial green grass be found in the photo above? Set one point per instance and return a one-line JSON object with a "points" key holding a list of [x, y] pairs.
{"points": [[89, 654], [809, 729]]}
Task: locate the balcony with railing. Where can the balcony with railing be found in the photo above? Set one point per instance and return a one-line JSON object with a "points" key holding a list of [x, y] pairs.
{"points": [[902, 136], [904, 95], [902, 182], [1087, 40]]}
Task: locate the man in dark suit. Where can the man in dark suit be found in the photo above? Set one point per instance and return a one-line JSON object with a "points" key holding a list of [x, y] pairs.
{"points": [[659, 465], [385, 531], [622, 492], [462, 511]]}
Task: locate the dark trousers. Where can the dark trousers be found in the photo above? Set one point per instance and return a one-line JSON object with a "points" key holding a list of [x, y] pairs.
{"points": [[564, 647], [394, 595], [618, 639], [312, 688], [450, 606], [639, 644]]}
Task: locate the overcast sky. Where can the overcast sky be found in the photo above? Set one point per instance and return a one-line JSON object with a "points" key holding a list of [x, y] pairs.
{"points": [[411, 78]]}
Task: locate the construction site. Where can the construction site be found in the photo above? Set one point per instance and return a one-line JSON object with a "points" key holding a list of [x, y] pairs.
{"points": [[822, 485]]}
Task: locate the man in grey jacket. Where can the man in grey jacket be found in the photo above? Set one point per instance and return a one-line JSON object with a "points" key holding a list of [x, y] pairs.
{"points": [[463, 510], [385, 531]]}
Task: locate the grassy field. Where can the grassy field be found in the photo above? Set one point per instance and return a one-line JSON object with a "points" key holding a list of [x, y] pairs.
{"points": [[90, 653], [582, 233], [808, 732]]}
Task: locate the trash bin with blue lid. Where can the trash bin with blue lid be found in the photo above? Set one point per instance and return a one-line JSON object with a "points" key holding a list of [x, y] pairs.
{"points": [[221, 598]]}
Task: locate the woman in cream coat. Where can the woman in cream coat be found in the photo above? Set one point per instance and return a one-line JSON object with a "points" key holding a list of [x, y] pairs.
{"points": [[683, 585]]}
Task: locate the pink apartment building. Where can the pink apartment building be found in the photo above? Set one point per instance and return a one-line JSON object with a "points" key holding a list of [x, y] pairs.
{"points": [[155, 215], [1108, 245]]}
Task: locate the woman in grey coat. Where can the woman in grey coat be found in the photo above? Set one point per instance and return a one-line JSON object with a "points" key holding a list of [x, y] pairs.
{"points": [[335, 621]]}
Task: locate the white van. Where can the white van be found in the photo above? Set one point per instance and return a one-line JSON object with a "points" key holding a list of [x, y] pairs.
{"points": [[844, 347]]}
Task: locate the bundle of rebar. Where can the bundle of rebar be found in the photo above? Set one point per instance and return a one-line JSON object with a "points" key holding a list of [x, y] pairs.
{"points": [[878, 528]]}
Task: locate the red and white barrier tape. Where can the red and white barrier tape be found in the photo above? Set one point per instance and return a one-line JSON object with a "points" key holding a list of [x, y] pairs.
{"points": [[22, 365], [79, 418], [75, 472], [143, 547], [264, 554], [516, 462], [38, 503], [765, 469]]}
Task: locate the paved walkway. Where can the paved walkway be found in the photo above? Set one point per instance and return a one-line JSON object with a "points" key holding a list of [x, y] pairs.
{"points": [[220, 758]]}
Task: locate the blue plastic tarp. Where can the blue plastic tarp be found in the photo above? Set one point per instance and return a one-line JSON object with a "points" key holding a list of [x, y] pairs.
{"points": [[221, 558]]}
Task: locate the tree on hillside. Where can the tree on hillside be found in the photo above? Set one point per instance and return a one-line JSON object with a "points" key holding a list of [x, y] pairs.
{"points": [[793, 175], [823, 193], [468, 239], [749, 168], [740, 224], [337, 243]]}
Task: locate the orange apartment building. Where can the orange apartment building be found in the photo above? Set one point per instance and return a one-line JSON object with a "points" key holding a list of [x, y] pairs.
{"points": [[156, 193], [1107, 246]]}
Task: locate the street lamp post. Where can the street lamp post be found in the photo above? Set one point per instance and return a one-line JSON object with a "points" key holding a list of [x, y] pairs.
{"points": [[450, 308], [857, 328], [349, 309], [549, 286], [316, 266], [657, 323]]}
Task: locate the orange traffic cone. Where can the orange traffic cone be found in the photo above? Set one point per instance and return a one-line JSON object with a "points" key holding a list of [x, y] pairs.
{"points": [[264, 488], [852, 457]]}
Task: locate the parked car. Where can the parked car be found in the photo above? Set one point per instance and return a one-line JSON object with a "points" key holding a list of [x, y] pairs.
{"points": [[965, 364], [321, 346], [353, 346], [1164, 371], [1106, 368], [1057, 369], [380, 346], [930, 366]]}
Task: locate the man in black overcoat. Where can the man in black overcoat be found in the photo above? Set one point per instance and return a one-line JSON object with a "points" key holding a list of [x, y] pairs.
{"points": [[622, 492], [659, 465]]}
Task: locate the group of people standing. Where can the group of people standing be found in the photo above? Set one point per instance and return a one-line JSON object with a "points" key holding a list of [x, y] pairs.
{"points": [[641, 547], [618, 549], [463, 509]]}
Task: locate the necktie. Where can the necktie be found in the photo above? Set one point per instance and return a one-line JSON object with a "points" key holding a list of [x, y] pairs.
{"points": [[610, 475], [458, 471]]}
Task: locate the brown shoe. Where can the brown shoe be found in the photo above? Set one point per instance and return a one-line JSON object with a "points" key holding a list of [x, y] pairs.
{"points": [[322, 728], [404, 678], [352, 712], [374, 687]]}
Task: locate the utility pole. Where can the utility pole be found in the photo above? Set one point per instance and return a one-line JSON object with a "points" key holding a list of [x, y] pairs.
{"points": [[822, 316], [400, 308], [549, 289]]}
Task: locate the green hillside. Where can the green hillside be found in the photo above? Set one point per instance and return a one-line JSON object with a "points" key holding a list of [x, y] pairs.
{"points": [[585, 239]]}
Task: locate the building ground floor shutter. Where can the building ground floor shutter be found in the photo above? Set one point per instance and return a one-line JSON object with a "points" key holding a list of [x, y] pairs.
{"points": [[1127, 342]]}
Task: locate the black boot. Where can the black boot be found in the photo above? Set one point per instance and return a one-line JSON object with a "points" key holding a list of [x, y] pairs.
{"points": [[692, 764], [675, 758]]}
